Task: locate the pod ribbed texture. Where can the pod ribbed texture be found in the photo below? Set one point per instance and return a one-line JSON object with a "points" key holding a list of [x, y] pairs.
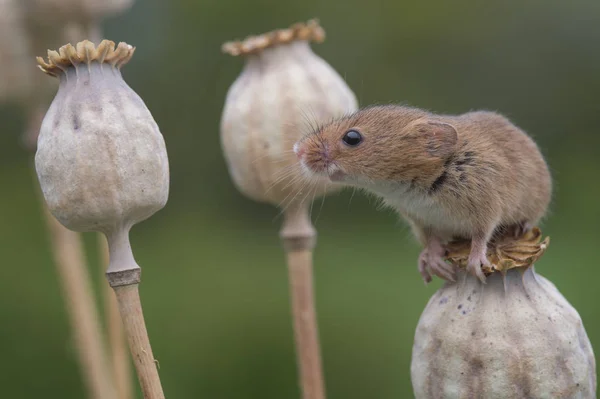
{"points": [[515, 337], [283, 92], [101, 159]]}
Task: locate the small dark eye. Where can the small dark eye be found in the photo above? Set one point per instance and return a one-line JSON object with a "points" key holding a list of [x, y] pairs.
{"points": [[352, 138]]}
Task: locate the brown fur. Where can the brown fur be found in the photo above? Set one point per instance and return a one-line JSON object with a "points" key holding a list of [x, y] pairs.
{"points": [[450, 176]]}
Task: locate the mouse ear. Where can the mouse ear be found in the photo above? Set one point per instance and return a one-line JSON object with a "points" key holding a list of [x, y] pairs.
{"points": [[440, 137]]}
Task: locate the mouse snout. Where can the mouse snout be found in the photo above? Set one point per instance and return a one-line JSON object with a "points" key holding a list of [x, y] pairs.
{"points": [[313, 156], [299, 150]]}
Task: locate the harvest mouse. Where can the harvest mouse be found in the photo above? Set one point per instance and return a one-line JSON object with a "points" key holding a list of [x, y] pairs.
{"points": [[466, 176]]}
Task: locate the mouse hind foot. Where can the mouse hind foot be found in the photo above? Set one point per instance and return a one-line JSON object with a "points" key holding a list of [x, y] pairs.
{"points": [[478, 258], [431, 261]]}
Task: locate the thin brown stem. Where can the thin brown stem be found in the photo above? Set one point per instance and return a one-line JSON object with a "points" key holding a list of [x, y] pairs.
{"points": [[125, 284], [116, 337], [83, 315], [298, 237]]}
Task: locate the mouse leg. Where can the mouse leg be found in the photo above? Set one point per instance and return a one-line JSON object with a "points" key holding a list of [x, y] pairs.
{"points": [[431, 261], [522, 228], [478, 256]]}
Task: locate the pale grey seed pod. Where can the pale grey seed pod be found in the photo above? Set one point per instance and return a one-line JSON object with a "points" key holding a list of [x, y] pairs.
{"points": [[283, 89], [514, 337], [101, 159]]}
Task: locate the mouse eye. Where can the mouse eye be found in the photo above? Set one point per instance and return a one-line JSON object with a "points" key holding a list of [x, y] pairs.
{"points": [[352, 138]]}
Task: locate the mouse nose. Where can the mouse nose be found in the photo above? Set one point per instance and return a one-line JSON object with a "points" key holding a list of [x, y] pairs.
{"points": [[298, 150]]}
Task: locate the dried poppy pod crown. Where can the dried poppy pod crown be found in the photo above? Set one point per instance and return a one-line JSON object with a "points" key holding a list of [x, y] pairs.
{"points": [[514, 337], [283, 90], [311, 31], [505, 252], [101, 159], [85, 52]]}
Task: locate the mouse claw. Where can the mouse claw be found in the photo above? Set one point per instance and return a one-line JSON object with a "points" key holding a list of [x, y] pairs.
{"points": [[434, 264], [423, 270], [474, 267], [443, 270]]}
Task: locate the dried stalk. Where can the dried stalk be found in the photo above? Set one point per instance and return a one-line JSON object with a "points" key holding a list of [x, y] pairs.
{"points": [[125, 284], [118, 344], [299, 237], [70, 263]]}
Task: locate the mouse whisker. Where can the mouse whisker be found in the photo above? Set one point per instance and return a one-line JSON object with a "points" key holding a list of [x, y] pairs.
{"points": [[293, 194], [309, 124], [293, 181], [309, 189], [306, 185], [351, 196], [280, 156], [322, 203], [289, 174], [313, 118], [275, 183], [285, 204], [285, 171], [312, 202], [263, 157]]}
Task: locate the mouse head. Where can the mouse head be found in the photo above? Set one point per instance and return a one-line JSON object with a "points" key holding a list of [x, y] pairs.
{"points": [[379, 144]]}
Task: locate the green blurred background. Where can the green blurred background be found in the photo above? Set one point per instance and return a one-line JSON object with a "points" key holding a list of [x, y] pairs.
{"points": [[215, 286]]}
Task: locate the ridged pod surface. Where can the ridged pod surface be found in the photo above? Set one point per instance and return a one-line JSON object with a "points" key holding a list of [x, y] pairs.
{"points": [[101, 159], [514, 337], [283, 89]]}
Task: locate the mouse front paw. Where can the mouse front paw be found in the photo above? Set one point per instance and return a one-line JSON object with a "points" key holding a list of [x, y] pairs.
{"points": [[431, 261]]}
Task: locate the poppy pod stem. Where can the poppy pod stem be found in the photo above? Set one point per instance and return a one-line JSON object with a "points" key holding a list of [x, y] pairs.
{"points": [[299, 238], [116, 336], [125, 284], [124, 276]]}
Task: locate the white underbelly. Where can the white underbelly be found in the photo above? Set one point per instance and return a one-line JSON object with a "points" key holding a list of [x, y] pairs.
{"points": [[425, 211]]}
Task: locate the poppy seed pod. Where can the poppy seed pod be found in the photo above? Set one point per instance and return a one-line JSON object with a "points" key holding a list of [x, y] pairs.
{"points": [[101, 159], [514, 337], [283, 87]]}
